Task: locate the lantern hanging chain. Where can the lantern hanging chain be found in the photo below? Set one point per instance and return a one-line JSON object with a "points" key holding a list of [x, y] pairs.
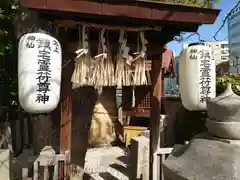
{"points": [[67, 63], [51, 24], [32, 27], [56, 31]]}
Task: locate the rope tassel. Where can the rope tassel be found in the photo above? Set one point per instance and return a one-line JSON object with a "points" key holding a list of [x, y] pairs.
{"points": [[123, 73], [82, 60], [140, 77], [103, 74]]}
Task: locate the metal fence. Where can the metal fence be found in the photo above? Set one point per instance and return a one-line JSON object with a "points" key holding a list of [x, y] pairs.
{"points": [[162, 154]]}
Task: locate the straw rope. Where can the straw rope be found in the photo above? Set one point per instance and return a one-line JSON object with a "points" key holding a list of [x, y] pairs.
{"points": [[70, 24]]}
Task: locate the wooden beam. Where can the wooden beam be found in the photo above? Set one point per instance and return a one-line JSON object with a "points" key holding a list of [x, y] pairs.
{"points": [[160, 12], [33, 4], [75, 18]]}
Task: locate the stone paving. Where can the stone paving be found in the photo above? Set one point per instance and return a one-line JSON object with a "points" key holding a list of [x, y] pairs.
{"points": [[106, 164]]}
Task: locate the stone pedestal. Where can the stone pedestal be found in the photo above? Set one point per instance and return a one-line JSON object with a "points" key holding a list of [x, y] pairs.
{"points": [[224, 115], [139, 158], [206, 135], [204, 159], [214, 155]]}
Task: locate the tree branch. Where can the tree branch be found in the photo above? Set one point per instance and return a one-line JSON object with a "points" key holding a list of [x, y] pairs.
{"points": [[225, 20]]}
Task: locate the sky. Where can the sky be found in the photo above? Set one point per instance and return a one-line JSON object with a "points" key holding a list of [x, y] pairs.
{"points": [[208, 31]]}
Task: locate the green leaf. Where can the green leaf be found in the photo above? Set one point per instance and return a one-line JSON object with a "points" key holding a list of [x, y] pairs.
{"points": [[222, 82], [8, 53]]}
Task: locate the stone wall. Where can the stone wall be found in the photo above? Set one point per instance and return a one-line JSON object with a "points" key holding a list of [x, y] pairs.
{"points": [[181, 124]]}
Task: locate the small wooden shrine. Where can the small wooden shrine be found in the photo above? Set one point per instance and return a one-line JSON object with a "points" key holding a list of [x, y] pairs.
{"points": [[118, 44]]}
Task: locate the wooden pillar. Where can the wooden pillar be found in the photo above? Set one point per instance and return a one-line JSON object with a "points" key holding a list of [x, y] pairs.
{"points": [[155, 114], [66, 94], [66, 114]]}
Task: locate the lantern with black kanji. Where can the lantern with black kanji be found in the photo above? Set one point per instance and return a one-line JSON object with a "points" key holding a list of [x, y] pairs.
{"points": [[197, 76], [39, 72]]}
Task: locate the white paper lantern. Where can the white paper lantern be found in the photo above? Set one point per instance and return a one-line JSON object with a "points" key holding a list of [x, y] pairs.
{"points": [[39, 72], [197, 76]]}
